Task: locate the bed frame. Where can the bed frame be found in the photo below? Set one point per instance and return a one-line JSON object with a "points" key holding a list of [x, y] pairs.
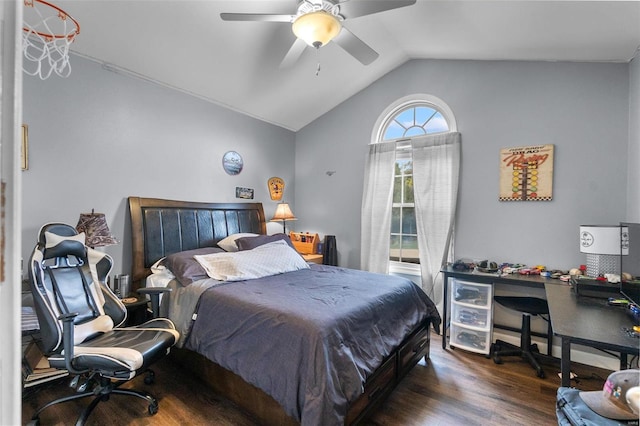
{"points": [[162, 227]]}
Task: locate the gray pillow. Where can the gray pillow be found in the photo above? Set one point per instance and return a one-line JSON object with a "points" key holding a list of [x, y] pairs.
{"points": [[248, 243], [185, 268]]}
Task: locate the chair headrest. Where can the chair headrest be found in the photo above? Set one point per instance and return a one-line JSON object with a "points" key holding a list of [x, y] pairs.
{"points": [[61, 240]]}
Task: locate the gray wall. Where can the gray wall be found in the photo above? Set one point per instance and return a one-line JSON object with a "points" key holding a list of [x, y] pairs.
{"points": [[581, 108], [98, 137], [633, 190]]}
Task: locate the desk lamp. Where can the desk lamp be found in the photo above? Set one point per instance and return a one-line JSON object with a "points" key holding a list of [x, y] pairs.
{"points": [[603, 247], [97, 233]]}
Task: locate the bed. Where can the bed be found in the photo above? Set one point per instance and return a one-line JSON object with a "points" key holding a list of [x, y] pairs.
{"points": [[330, 355]]}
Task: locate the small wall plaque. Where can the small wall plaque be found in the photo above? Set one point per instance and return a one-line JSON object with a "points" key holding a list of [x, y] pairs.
{"points": [[276, 188], [244, 193], [232, 163]]}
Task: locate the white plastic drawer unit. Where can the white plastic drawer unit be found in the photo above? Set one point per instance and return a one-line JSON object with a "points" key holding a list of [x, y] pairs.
{"points": [[471, 316], [471, 294], [470, 340]]}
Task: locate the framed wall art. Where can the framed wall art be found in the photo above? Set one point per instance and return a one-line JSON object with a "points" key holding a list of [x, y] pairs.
{"points": [[526, 173]]}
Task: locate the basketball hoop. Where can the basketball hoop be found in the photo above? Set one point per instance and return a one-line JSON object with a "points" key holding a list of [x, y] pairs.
{"points": [[47, 34]]}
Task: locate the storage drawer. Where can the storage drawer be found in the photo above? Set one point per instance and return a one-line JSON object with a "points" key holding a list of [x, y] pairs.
{"points": [[411, 352], [469, 339], [471, 293], [471, 316], [377, 386]]}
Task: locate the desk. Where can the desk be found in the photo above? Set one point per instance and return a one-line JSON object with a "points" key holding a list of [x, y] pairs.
{"points": [[535, 281], [590, 322]]}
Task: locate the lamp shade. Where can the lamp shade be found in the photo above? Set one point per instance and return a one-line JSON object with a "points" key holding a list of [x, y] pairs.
{"points": [[283, 212], [601, 239], [96, 230], [316, 28]]}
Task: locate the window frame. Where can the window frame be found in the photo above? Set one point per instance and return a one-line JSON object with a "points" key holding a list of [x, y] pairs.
{"points": [[403, 143], [412, 100]]}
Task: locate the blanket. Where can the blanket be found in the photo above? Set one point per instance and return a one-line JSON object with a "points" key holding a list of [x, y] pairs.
{"points": [[309, 338]]}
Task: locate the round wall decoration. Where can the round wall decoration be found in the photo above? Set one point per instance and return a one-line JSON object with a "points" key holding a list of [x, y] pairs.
{"points": [[232, 162]]}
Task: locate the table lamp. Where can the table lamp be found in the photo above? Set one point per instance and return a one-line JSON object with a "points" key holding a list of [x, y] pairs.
{"points": [[283, 213], [603, 247], [97, 233]]}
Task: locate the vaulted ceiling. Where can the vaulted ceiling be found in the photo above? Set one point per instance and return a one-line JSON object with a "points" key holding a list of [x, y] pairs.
{"points": [[187, 46]]}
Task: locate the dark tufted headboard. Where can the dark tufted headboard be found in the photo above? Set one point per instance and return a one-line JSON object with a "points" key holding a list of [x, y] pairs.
{"points": [[163, 227]]}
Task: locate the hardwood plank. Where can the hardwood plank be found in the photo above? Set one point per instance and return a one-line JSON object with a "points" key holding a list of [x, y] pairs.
{"points": [[455, 387]]}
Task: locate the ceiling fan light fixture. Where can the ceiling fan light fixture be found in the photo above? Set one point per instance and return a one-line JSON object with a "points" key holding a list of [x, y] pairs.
{"points": [[316, 28]]}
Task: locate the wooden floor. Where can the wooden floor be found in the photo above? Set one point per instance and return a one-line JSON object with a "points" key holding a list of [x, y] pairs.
{"points": [[455, 388]]}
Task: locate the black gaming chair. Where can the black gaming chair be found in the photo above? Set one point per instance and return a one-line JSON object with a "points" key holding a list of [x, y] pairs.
{"points": [[80, 321]]}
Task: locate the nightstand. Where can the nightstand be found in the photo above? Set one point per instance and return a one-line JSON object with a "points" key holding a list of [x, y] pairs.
{"points": [[313, 258], [136, 309]]}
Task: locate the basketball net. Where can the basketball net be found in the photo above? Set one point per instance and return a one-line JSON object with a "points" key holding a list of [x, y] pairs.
{"points": [[48, 32]]}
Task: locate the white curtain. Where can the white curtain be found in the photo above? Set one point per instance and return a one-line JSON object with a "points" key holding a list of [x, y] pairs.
{"points": [[376, 207], [436, 166]]}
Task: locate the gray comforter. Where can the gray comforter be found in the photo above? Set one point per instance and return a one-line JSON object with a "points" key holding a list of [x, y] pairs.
{"points": [[309, 338]]}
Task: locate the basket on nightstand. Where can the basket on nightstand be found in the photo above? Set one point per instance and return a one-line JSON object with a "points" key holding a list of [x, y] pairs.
{"points": [[305, 243]]}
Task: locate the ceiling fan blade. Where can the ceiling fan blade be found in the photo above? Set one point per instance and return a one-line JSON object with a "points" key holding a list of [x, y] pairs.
{"points": [[256, 17], [356, 47], [293, 54], [353, 9]]}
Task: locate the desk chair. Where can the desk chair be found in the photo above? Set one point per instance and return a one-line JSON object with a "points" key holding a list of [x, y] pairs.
{"points": [[529, 306], [80, 321]]}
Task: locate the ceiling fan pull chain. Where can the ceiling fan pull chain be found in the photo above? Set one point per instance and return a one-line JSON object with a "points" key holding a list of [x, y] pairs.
{"points": [[318, 58]]}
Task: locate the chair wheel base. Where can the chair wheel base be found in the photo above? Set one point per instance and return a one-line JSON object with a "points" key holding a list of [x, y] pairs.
{"points": [[150, 377], [153, 409]]}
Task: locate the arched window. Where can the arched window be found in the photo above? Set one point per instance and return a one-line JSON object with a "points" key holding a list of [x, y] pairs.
{"points": [[410, 117], [415, 115], [414, 120]]}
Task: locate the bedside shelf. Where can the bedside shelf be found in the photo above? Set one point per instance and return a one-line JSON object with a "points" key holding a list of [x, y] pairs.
{"points": [[313, 258]]}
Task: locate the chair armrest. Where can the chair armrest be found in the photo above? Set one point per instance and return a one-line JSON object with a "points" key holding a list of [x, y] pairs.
{"points": [[68, 341], [154, 293]]}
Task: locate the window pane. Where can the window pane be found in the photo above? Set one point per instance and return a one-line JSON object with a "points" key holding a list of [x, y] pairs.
{"points": [[423, 114], [393, 131], [394, 249], [437, 124], [408, 189], [406, 118], [395, 220], [410, 249], [397, 190], [409, 221], [408, 167], [414, 131]]}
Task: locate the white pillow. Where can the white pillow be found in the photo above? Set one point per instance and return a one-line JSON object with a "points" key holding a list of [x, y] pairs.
{"points": [[269, 259], [229, 243]]}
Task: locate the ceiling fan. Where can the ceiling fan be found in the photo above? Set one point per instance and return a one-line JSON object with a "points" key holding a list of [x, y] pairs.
{"points": [[317, 22]]}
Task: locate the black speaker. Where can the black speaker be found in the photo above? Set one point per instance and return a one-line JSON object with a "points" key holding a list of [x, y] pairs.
{"points": [[330, 251]]}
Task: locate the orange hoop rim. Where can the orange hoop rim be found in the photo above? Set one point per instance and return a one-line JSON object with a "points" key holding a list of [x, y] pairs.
{"points": [[61, 14]]}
